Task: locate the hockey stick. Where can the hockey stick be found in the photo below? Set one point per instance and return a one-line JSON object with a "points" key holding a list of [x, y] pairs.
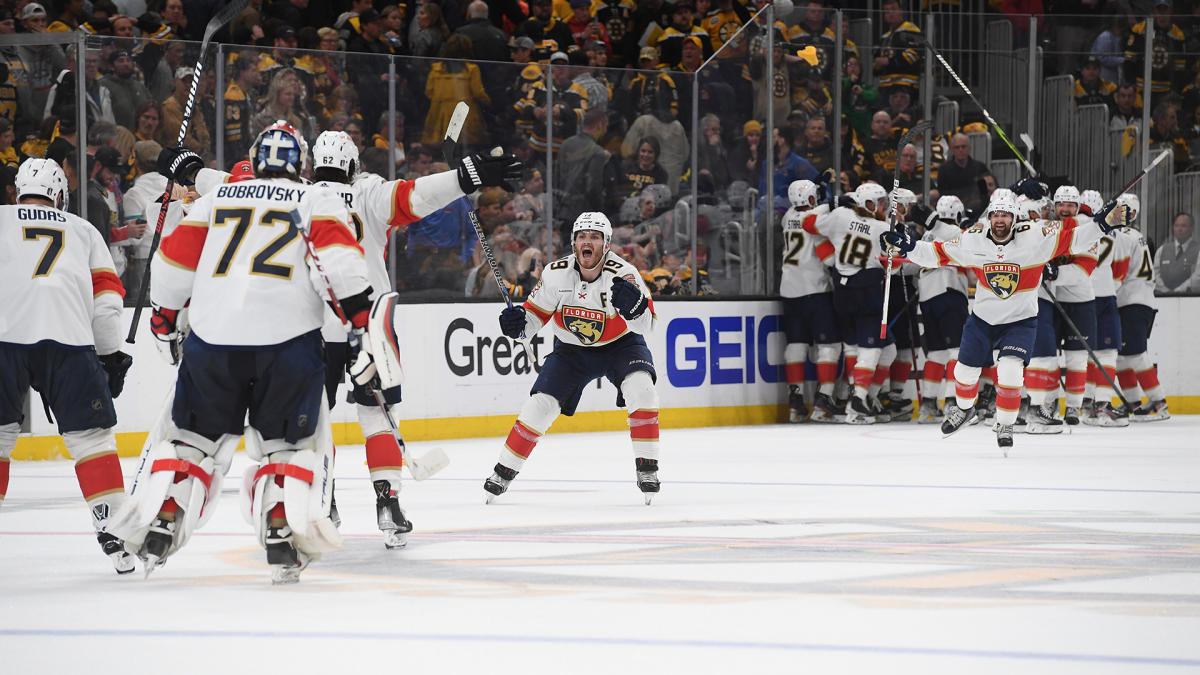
{"points": [[917, 129], [1079, 336], [1028, 167], [222, 17], [420, 467], [1140, 175]]}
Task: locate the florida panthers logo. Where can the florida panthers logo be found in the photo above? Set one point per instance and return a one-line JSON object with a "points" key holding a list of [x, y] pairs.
{"points": [[1002, 278], [585, 324]]}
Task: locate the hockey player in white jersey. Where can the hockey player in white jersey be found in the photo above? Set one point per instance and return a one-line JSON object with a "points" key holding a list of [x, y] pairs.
{"points": [[239, 259], [943, 297], [1136, 304], [599, 310], [1007, 260], [1073, 290], [892, 374], [60, 335], [377, 208], [1117, 245], [854, 232], [807, 294]]}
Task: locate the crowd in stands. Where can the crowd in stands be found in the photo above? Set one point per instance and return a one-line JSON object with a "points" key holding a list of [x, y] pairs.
{"points": [[595, 96]]}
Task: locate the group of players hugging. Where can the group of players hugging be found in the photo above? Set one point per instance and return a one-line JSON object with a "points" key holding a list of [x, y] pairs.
{"points": [[266, 294], [1066, 272]]}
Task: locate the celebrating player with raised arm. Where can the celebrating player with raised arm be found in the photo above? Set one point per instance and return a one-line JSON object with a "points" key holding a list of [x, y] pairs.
{"points": [[62, 310], [599, 308], [1007, 259]]}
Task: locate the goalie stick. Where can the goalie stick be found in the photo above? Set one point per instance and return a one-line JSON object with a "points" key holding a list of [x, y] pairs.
{"points": [[917, 129], [420, 467], [222, 17]]}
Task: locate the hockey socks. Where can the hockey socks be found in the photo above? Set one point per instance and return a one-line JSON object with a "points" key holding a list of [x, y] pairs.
{"points": [[385, 457], [4, 465], [519, 444], [643, 431], [99, 475]]}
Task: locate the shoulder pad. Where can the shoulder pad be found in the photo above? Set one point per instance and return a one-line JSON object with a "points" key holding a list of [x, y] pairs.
{"points": [[560, 264]]}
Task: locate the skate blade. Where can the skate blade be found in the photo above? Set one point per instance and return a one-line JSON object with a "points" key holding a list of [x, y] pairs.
{"points": [[285, 574], [648, 497], [395, 539], [151, 563], [122, 563], [427, 465], [488, 497]]}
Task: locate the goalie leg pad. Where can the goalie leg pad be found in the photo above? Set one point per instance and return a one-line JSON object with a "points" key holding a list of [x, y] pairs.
{"points": [[384, 341], [170, 470]]}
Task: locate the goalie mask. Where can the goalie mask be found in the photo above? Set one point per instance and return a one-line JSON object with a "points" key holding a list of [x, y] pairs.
{"points": [[802, 194], [336, 150], [280, 148], [42, 178]]}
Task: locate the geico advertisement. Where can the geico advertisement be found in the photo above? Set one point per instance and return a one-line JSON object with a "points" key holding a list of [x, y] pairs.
{"points": [[705, 354]]}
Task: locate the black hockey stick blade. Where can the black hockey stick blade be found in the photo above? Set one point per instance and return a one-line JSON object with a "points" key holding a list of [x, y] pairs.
{"points": [[221, 18]]}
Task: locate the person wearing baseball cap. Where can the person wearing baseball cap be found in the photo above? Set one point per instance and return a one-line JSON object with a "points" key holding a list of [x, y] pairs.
{"points": [[33, 18], [670, 40], [125, 90], [1090, 88]]}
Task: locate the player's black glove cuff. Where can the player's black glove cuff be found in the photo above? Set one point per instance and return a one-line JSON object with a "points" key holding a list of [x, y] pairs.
{"points": [[628, 299], [512, 321], [497, 169], [1050, 271], [179, 164], [116, 365]]}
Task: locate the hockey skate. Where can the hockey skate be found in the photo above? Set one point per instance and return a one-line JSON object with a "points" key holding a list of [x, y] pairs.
{"points": [[1041, 420], [1087, 413], [956, 418], [985, 407], [390, 516], [497, 484], [1004, 437], [286, 562], [1071, 416], [859, 412], [1108, 416], [898, 409], [825, 411], [158, 541], [797, 411], [114, 548], [1022, 424], [929, 413], [881, 416], [647, 477], [1151, 411]]}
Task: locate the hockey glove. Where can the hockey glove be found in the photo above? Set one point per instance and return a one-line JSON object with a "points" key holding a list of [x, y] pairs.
{"points": [[162, 324], [1030, 187], [362, 369], [897, 243], [498, 169], [1050, 271], [1110, 217], [920, 214], [115, 365], [512, 321], [847, 201], [628, 299], [179, 164]]}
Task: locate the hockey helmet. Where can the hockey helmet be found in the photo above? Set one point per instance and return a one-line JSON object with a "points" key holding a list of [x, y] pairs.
{"points": [[871, 192], [802, 194], [904, 196], [336, 150], [1092, 200], [1129, 201], [280, 147], [38, 177], [1002, 204], [592, 220], [950, 208], [1000, 193], [1066, 194], [1026, 206]]}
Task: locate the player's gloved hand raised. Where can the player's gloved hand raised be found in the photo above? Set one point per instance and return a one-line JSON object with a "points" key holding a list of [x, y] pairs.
{"points": [[897, 243], [847, 201], [179, 164], [1050, 271], [920, 214], [628, 299], [1111, 217], [163, 322], [115, 365], [512, 321], [1030, 187], [496, 169]]}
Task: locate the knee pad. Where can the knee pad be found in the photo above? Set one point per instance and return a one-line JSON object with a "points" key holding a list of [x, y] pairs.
{"points": [[1010, 372], [372, 421], [1076, 359], [966, 375], [8, 438], [84, 444], [539, 412], [795, 352], [828, 353], [639, 392]]}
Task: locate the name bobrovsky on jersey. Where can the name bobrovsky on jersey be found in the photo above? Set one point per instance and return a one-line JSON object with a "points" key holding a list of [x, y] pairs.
{"points": [[271, 192]]}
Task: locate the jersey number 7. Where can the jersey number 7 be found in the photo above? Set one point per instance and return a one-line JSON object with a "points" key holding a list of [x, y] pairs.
{"points": [[242, 217]]}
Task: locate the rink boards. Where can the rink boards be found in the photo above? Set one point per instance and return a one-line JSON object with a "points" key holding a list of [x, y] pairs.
{"points": [[718, 363]]}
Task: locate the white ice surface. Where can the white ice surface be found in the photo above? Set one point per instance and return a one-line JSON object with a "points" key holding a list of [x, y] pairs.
{"points": [[770, 550]]}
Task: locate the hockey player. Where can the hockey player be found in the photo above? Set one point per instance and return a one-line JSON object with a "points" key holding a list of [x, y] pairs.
{"points": [[943, 297], [854, 232], [60, 335], [377, 208], [600, 309], [1073, 290], [1136, 305], [256, 308], [1007, 260], [808, 305], [1117, 245], [902, 315]]}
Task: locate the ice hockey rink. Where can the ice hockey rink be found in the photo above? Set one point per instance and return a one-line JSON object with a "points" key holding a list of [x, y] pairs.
{"points": [[770, 549]]}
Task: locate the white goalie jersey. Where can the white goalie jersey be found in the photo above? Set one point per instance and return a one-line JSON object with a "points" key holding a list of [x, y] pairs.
{"points": [[580, 312]]}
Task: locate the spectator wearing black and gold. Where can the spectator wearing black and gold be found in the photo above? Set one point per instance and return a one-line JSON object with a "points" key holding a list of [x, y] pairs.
{"points": [[640, 170], [650, 91], [959, 175], [1168, 67], [818, 101], [899, 59], [1166, 134], [912, 173], [817, 146], [680, 27], [815, 31], [1090, 88], [239, 107], [347, 24], [880, 149], [569, 100], [1125, 109], [542, 27]]}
